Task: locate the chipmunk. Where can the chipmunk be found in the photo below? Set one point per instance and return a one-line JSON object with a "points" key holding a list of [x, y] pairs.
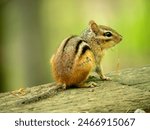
{"points": [[77, 55], [100, 38], [72, 62]]}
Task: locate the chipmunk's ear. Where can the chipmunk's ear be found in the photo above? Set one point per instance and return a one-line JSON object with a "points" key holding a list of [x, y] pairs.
{"points": [[94, 27]]}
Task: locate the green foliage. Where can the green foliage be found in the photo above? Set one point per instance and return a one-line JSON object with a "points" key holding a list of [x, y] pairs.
{"points": [[32, 31]]}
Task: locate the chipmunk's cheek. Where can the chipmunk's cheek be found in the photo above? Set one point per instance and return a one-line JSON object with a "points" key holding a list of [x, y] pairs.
{"points": [[113, 43], [109, 44]]}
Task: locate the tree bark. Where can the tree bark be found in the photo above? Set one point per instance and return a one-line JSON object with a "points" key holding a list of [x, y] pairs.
{"points": [[129, 90]]}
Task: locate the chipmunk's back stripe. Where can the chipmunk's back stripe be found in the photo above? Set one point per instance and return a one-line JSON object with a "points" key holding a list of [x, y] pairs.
{"points": [[84, 49], [78, 44], [68, 41], [77, 47]]}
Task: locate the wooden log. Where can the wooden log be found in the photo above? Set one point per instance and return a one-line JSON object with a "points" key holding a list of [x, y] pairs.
{"points": [[129, 90]]}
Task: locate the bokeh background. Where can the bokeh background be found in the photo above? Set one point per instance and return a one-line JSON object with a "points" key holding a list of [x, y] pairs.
{"points": [[31, 30]]}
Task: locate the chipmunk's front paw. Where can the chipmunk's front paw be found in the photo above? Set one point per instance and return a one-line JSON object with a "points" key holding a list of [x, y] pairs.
{"points": [[106, 78], [92, 84], [88, 85]]}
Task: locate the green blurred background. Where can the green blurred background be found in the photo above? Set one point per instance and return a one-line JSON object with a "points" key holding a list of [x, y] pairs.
{"points": [[31, 30]]}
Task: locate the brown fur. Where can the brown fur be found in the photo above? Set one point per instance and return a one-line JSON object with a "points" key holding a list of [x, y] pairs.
{"points": [[76, 55], [78, 73]]}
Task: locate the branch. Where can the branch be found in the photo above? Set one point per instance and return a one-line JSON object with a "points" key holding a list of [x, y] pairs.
{"points": [[129, 90]]}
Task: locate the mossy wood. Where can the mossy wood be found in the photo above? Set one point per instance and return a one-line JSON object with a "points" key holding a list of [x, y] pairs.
{"points": [[129, 90]]}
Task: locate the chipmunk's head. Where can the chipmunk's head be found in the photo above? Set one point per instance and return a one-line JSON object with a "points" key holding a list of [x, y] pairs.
{"points": [[105, 36]]}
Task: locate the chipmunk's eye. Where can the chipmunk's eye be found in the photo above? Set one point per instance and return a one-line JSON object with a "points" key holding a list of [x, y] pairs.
{"points": [[108, 34]]}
